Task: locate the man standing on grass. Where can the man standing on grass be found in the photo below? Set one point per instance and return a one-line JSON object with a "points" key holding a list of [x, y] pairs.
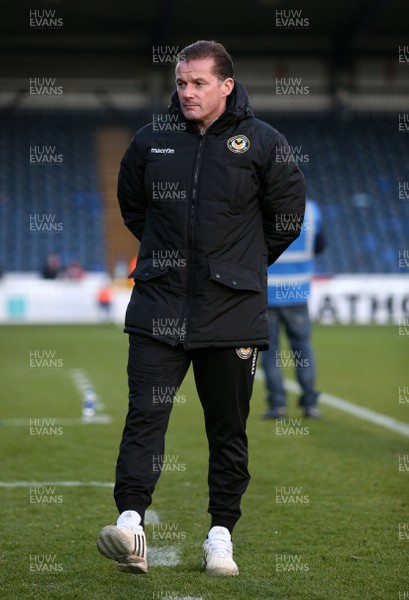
{"points": [[289, 283], [204, 197]]}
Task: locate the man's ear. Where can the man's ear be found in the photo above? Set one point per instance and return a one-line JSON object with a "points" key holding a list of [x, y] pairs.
{"points": [[228, 85]]}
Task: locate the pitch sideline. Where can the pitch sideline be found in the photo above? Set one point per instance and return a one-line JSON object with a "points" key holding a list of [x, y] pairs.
{"points": [[365, 414]]}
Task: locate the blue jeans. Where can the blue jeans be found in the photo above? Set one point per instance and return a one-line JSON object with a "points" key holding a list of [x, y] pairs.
{"points": [[297, 325]]}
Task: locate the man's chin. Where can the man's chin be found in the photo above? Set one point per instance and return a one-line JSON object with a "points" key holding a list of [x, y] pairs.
{"points": [[189, 115]]}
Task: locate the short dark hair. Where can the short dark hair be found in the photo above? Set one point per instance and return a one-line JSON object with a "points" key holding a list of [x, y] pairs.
{"points": [[223, 64]]}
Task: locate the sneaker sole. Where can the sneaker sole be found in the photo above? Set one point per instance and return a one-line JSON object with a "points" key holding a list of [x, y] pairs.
{"points": [[220, 572], [216, 571], [113, 545]]}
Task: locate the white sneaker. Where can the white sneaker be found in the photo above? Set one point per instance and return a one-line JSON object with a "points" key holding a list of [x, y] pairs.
{"points": [[218, 553], [126, 546]]}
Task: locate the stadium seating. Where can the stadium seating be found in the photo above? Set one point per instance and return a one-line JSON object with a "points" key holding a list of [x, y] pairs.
{"points": [[65, 192], [352, 164], [355, 165]]}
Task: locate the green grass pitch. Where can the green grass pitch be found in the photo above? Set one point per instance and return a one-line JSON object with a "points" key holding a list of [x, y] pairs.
{"points": [[341, 532]]}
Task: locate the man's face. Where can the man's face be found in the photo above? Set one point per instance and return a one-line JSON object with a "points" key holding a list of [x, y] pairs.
{"points": [[202, 95]]}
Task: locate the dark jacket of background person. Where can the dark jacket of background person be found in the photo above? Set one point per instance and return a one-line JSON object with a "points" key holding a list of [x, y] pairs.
{"points": [[201, 275]]}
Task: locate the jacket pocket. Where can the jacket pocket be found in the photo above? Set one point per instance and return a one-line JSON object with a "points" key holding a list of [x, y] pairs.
{"points": [[234, 277], [144, 270]]}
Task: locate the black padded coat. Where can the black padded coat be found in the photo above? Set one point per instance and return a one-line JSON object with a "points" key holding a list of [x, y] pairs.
{"points": [[211, 212]]}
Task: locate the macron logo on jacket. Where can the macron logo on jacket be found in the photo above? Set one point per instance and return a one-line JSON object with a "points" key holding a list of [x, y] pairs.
{"points": [[163, 150]]}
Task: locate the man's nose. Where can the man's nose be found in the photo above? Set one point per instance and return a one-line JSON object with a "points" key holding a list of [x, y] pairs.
{"points": [[188, 91]]}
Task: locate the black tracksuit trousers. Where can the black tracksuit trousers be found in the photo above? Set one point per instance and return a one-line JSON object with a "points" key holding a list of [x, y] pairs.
{"points": [[224, 382]]}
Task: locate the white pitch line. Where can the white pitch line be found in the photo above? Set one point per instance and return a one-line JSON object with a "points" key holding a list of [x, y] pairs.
{"points": [[95, 420], [170, 596], [163, 557], [17, 484], [151, 516], [358, 411]]}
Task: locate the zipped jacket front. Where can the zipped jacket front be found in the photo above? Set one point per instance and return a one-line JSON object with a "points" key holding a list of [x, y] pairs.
{"points": [[211, 212]]}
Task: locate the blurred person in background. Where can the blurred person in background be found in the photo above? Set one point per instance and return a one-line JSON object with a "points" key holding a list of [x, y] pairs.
{"points": [[52, 267], [105, 297], [200, 288], [73, 271], [289, 282]]}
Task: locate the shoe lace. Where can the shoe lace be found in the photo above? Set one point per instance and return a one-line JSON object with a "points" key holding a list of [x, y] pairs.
{"points": [[220, 547]]}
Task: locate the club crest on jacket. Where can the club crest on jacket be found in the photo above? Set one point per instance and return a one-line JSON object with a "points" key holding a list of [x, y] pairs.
{"points": [[238, 144]]}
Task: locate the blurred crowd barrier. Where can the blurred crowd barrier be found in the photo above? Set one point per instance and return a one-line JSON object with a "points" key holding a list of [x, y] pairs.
{"points": [[96, 298]]}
